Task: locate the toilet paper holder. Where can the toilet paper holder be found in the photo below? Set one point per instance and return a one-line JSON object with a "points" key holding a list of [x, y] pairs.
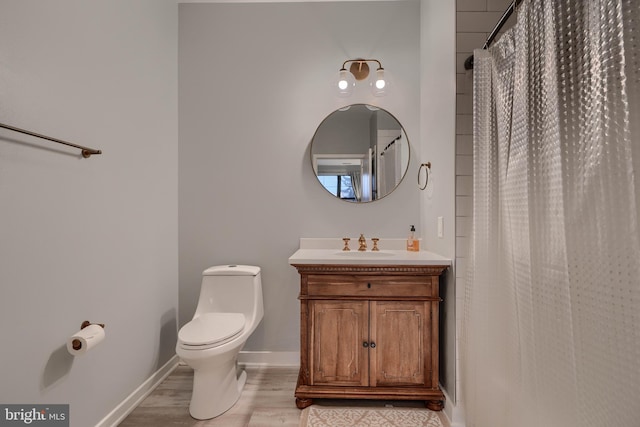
{"points": [[77, 344]]}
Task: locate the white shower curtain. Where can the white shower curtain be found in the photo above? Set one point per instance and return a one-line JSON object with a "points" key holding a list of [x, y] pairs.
{"points": [[388, 169], [551, 324]]}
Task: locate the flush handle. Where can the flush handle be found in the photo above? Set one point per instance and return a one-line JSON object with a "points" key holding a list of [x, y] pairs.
{"points": [[369, 285]]}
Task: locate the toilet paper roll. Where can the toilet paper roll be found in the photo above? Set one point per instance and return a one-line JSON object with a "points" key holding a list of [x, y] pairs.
{"points": [[85, 339]]}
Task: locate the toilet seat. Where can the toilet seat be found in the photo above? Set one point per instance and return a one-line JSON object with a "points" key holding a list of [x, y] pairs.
{"points": [[211, 330]]}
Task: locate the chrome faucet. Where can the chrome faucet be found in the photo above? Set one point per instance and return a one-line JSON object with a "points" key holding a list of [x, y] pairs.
{"points": [[363, 243]]}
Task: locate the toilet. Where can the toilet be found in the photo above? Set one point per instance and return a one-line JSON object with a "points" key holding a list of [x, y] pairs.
{"points": [[229, 310]]}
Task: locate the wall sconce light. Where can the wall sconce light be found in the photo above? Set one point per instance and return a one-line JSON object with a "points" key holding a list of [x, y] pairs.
{"points": [[359, 70]]}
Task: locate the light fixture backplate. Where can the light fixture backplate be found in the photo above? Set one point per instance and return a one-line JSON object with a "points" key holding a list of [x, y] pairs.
{"points": [[359, 69]]}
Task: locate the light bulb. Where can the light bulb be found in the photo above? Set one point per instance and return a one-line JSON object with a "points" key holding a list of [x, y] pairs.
{"points": [[380, 84], [344, 83]]}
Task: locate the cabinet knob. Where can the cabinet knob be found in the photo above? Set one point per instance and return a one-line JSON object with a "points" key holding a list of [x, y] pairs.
{"points": [[365, 344], [372, 345]]}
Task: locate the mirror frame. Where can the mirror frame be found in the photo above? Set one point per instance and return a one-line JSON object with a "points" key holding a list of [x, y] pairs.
{"points": [[352, 158]]}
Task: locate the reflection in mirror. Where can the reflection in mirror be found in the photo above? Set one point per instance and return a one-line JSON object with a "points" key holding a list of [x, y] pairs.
{"points": [[360, 153]]}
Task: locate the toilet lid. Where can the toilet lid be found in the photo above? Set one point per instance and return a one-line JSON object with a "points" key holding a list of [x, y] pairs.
{"points": [[211, 328]]}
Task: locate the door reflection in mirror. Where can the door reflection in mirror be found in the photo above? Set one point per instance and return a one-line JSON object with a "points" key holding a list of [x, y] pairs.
{"points": [[360, 153]]}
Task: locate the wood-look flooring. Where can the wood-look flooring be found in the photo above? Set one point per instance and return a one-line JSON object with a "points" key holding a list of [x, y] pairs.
{"points": [[266, 401], [268, 392]]}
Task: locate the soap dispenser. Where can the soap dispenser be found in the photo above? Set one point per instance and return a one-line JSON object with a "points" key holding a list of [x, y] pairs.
{"points": [[413, 245]]}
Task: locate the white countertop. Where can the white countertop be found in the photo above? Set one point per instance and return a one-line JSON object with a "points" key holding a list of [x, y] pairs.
{"points": [[329, 251]]}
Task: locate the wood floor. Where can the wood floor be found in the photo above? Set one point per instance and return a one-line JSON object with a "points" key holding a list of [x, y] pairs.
{"points": [[268, 391], [267, 401]]}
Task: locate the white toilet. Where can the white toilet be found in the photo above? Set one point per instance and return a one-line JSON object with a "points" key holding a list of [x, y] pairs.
{"points": [[229, 310]]}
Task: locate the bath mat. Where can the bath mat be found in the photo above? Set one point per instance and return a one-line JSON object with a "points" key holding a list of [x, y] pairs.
{"points": [[324, 416]]}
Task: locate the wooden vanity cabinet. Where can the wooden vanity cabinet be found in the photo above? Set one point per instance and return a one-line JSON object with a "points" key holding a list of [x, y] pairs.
{"points": [[369, 332]]}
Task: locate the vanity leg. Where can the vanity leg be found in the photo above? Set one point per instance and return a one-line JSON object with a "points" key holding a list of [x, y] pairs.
{"points": [[434, 405], [303, 403]]}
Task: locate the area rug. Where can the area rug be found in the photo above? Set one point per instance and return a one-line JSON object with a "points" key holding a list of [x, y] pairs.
{"points": [[324, 416]]}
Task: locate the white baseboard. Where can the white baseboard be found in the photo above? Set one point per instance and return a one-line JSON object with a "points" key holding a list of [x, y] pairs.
{"points": [[452, 412], [121, 411], [269, 358]]}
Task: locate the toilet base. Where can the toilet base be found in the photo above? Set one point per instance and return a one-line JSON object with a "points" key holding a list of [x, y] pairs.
{"points": [[215, 391]]}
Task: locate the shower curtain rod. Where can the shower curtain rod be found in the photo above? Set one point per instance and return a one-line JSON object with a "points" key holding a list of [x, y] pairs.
{"points": [[468, 63], [86, 152]]}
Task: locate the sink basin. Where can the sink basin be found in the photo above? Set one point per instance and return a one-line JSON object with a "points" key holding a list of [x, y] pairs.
{"points": [[367, 254]]}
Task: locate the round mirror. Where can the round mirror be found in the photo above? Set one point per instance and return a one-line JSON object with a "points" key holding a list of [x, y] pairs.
{"points": [[360, 153]]}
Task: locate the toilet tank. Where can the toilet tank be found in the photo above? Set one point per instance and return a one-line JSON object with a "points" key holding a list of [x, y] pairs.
{"points": [[231, 289]]}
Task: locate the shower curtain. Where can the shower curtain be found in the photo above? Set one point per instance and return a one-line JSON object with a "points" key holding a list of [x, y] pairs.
{"points": [[551, 325], [388, 168]]}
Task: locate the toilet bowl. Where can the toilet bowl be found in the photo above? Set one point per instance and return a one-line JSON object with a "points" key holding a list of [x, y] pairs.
{"points": [[229, 309]]}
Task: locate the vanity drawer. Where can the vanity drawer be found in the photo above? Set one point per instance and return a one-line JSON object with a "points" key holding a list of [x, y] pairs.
{"points": [[370, 286]]}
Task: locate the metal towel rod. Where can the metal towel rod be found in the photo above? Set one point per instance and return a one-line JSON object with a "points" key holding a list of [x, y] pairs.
{"points": [[86, 152]]}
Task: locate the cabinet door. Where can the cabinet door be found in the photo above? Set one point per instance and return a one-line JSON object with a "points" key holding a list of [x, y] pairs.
{"points": [[338, 330], [400, 353]]}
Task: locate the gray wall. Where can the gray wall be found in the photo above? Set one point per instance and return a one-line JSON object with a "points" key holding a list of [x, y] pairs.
{"points": [[254, 83], [90, 238], [438, 148]]}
